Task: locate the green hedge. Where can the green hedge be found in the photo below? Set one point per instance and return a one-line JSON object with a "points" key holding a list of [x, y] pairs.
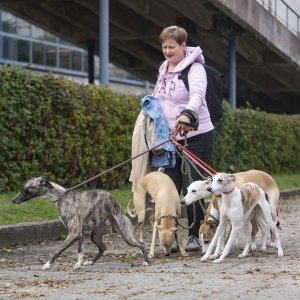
{"points": [[249, 139], [54, 127]]}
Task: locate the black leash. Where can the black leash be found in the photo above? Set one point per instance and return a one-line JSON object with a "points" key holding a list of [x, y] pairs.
{"points": [[112, 168]]}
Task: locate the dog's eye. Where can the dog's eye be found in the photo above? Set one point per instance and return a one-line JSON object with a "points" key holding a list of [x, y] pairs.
{"points": [[193, 191], [220, 180]]}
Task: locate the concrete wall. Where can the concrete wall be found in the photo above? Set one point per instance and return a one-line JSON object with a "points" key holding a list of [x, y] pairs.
{"points": [[252, 15]]}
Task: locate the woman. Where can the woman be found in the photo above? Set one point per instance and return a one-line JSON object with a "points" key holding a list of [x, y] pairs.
{"points": [[179, 104]]}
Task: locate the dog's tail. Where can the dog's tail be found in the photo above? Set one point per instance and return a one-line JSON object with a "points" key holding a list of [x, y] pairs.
{"points": [[132, 214]]}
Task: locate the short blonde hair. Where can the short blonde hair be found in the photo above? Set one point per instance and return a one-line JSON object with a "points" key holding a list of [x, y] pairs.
{"points": [[173, 32]]}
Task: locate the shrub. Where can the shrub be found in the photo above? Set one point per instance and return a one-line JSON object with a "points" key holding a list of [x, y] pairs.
{"points": [[69, 132]]}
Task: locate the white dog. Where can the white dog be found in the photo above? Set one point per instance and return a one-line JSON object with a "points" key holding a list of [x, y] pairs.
{"points": [[239, 206], [198, 190]]}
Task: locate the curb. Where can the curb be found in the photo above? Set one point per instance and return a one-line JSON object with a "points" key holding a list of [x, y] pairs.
{"points": [[35, 232]]}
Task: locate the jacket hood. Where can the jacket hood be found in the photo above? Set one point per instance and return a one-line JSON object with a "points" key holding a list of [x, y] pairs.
{"points": [[192, 54]]}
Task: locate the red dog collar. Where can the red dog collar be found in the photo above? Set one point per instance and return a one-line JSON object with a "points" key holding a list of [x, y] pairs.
{"points": [[226, 193]]}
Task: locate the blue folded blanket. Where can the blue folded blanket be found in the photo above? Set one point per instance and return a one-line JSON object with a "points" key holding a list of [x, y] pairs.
{"points": [[151, 108]]}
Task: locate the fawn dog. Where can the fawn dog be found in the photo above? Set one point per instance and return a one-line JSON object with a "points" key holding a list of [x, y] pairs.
{"points": [[239, 205], [198, 190], [167, 210], [78, 208]]}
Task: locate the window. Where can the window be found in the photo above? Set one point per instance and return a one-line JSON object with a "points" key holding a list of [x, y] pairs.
{"points": [[23, 51], [76, 60], [14, 49], [38, 54], [50, 55], [65, 58]]}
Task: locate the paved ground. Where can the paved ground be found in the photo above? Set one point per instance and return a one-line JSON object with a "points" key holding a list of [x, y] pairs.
{"points": [[119, 274]]}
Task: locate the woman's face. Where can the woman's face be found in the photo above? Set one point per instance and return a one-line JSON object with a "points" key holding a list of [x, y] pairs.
{"points": [[172, 51]]}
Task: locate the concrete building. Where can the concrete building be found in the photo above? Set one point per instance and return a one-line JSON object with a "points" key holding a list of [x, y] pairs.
{"points": [[29, 46], [254, 43]]}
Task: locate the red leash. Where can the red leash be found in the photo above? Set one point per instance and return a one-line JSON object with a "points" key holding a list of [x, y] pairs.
{"points": [[199, 161]]}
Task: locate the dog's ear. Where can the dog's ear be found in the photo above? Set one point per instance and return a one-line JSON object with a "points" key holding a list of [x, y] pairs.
{"points": [[231, 177], [45, 181]]}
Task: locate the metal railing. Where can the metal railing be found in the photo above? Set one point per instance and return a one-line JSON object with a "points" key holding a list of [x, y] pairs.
{"points": [[284, 13]]}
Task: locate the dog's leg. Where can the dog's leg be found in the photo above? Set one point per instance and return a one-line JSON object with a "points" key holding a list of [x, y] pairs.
{"points": [[154, 234], [70, 240], [181, 242], [268, 217], [96, 238], [220, 230], [220, 246], [254, 230], [234, 231], [80, 252], [204, 246], [139, 201], [263, 226], [124, 225], [247, 238]]}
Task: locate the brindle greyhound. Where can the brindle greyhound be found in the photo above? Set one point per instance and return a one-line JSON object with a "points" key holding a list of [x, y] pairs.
{"points": [[78, 208]]}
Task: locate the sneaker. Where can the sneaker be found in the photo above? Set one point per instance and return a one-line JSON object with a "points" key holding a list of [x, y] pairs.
{"points": [[192, 244]]}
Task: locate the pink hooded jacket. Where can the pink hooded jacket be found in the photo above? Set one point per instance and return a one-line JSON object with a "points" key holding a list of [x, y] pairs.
{"points": [[174, 97]]}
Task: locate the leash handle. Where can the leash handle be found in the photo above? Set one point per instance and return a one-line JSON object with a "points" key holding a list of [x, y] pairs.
{"points": [[180, 130]]}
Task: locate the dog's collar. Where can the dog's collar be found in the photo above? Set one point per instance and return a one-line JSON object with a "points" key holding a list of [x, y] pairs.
{"points": [[168, 216], [229, 192]]}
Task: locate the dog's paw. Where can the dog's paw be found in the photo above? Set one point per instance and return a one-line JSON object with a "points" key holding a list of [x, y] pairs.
{"points": [[280, 253], [145, 264], [213, 256], [217, 261], [150, 255], [184, 254], [47, 265], [242, 255], [253, 247], [263, 248], [273, 245], [204, 258], [88, 263], [77, 265]]}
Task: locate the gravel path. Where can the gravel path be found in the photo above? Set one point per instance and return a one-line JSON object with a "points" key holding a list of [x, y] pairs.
{"points": [[119, 274]]}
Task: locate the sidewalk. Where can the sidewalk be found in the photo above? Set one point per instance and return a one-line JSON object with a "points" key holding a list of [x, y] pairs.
{"points": [[119, 273], [35, 232]]}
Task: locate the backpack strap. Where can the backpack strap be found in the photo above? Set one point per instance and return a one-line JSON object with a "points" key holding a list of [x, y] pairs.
{"points": [[184, 76]]}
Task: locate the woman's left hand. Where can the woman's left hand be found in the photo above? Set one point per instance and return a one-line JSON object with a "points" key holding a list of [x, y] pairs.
{"points": [[183, 127]]}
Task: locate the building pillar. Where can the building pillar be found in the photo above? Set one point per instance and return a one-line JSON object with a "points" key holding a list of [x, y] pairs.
{"points": [[103, 41], [232, 70], [91, 53]]}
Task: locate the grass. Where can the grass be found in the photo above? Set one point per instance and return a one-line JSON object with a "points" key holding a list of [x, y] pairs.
{"points": [[42, 209]]}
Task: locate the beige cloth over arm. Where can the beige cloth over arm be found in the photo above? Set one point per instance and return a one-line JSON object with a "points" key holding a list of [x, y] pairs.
{"points": [[140, 165]]}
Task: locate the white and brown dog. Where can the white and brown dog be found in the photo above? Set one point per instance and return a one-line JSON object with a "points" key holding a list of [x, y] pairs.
{"points": [[239, 206], [198, 190], [167, 210]]}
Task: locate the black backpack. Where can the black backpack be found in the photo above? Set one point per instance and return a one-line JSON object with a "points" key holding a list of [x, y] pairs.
{"points": [[213, 91]]}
